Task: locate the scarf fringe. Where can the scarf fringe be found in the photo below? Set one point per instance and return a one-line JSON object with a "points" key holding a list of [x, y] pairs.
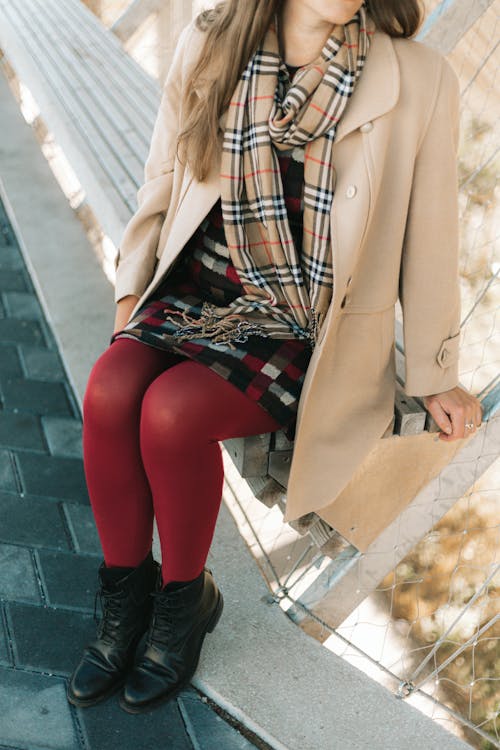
{"points": [[228, 328], [222, 330]]}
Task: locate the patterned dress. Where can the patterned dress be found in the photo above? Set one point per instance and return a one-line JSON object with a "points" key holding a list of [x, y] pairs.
{"points": [[268, 370]]}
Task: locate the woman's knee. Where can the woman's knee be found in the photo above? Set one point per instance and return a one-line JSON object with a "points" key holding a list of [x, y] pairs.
{"points": [[171, 408], [108, 393]]}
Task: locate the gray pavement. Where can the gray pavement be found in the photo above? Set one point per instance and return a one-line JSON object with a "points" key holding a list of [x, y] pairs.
{"points": [[50, 552]]}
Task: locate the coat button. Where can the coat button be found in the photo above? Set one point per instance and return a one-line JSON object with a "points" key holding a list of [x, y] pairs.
{"points": [[366, 127], [351, 191]]}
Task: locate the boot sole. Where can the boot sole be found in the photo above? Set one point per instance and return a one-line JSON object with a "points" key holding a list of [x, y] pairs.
{"points": [[145, 707], [86, 703]]}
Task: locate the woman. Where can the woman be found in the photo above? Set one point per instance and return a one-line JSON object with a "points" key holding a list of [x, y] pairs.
{"points": [[226, 274]]}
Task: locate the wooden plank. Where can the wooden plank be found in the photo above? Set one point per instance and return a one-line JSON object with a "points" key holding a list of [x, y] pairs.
{"points": [[108, 71], [279, 466], [281, 442], [137, 12], [268, 491], [337, 546], [400, 366], [132, 122], [410, 416], [450, 21], [104, 44], [399, 335], [108, 205], [303, 524], [103, 178], [250, 454], [321, 532], [93, 95], [323, 536], [72, 100]]}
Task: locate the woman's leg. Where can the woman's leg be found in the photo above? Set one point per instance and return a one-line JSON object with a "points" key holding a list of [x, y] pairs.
{"points": [[185, 412], [118, 488]]}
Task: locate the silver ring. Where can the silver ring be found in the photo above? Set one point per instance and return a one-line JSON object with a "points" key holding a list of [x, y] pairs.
{"points": [[469, 425]]}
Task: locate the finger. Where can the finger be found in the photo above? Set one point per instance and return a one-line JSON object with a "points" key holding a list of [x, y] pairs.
{"points": [[459, 418], [470, 419], [441, 418]]}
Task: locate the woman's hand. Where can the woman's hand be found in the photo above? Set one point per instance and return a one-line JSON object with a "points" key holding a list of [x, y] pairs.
{"points": [[452, 410], [123, 310]]}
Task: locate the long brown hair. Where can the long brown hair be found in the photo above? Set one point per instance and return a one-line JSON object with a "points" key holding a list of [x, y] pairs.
{"points": [[233, 32]]}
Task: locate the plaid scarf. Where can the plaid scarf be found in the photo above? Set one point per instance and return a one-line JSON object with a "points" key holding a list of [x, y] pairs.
{"points": [[287, 289]]}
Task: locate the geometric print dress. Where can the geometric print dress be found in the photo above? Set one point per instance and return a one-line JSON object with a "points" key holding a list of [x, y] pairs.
{"points": [[269, 371]]}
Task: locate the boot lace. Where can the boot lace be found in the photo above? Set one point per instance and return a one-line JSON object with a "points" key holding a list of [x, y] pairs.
{"points": [[111, 605], [162, 624]]}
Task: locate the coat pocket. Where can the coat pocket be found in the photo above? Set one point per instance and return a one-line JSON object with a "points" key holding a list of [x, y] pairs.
{"points": [[360, 347]]}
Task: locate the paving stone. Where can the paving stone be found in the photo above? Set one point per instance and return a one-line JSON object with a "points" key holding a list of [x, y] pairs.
{"points": [[21, 331], [4, 650], [7, 236], [30, 522], [10, 363], [35, 714], [83, 529], [69, 580], [41, 364], [13, 281], [64, 436], [21, 431], [17, 576], [7, 476], [10, 259], [108, 726], [49, 639], [209, 729], [22, 305], [52, 476], [35, 396]]}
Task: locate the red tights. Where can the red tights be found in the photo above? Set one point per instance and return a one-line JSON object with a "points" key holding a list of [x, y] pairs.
{"points": [[151, 425]]}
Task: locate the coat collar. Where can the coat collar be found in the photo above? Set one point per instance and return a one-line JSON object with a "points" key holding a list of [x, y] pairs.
{"points": [[377, 89]]}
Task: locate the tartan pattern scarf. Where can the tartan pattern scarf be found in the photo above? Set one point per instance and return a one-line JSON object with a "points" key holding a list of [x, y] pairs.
{"points": [[287, 289]]}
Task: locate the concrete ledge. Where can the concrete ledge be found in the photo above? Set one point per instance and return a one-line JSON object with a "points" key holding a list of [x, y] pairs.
{"points": [[257, 664]]}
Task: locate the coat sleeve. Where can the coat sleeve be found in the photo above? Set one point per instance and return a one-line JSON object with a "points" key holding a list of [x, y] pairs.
{"points": [[429, 283], [137, 252]]}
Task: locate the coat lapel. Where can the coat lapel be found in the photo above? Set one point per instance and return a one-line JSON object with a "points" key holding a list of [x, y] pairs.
{"points": [[377, 89]]}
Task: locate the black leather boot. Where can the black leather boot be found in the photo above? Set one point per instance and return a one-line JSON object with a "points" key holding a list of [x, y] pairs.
{"points": [[182, 616], [126, 612]]}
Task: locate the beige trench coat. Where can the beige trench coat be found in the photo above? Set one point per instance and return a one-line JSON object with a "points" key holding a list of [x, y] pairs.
{"points": [[394, 228]]}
